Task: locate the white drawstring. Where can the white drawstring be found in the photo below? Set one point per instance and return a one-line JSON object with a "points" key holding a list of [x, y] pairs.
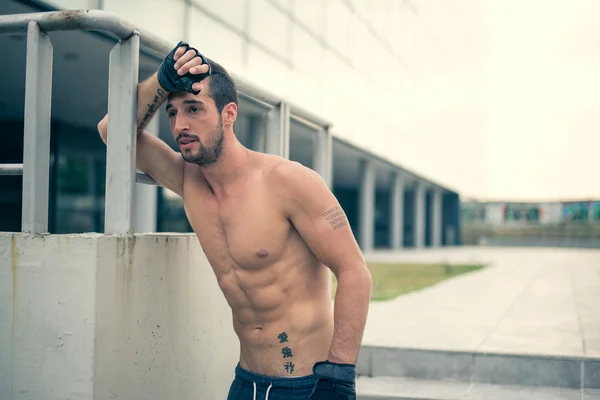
{"points": [[268, 390]]}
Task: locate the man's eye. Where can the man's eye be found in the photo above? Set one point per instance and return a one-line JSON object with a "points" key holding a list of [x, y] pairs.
{"points": [[194, 109], [171, 114]]}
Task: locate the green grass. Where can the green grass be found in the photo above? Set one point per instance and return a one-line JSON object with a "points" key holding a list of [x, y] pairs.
{"points": [[392, 280]]}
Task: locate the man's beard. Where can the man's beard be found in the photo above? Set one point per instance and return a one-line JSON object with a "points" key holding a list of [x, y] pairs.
{"points": [[207, 156]]}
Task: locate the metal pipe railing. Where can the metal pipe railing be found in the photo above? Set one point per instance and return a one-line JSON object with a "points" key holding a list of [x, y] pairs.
{"points": [[11, 169], [17, 169], [308, 123], [103, 21], [77, 20], [122, 107]]}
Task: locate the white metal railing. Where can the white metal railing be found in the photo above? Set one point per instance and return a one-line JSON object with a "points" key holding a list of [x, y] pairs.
{"points": [[122, 107]]}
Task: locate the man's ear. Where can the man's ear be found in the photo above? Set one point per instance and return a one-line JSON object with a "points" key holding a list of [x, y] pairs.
{"points": [[229, 114]]}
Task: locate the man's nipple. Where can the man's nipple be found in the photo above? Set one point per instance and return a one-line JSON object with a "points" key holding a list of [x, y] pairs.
{"points": [[262, 253]]}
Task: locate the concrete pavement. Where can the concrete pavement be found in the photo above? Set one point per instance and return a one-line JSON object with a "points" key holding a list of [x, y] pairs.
{"points": [[532, 301], [388, 388]]}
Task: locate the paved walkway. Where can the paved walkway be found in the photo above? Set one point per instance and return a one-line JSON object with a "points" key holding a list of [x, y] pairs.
{"points": [[540, 301]]}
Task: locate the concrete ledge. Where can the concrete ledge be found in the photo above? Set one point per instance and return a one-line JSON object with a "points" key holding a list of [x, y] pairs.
{"points": [[591, 374], [421, 364], [363, 363], [492, 368], [100, 317], [377, 397], [527, 370]]}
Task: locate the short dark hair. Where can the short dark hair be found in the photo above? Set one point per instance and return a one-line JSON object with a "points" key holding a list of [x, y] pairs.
{"points": [[221, 87]]}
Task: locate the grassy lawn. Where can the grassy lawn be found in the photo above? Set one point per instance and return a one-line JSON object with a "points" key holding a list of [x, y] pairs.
{"points": [[392, 280]]}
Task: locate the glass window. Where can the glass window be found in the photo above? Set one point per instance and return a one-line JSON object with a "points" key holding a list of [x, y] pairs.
{"points": [[171, 214], [78, 180], [79, 197]]}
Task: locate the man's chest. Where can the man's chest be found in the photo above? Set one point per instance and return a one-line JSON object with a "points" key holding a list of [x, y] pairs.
{"points": [[247, 232]]}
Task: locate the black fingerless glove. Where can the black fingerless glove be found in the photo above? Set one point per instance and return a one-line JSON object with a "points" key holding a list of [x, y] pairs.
{"points": [[171, 81], [334, 381]]}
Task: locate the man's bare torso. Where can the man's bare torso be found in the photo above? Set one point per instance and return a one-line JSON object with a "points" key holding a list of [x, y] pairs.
{"points": [[277, 289]]}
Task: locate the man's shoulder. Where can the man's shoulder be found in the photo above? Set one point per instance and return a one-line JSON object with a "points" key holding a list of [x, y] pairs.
{"points": [[281, 171], [291, 180]]}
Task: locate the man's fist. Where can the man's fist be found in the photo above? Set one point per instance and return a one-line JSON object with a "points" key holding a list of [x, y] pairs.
{"points": [[182, 69], [334, 381]]}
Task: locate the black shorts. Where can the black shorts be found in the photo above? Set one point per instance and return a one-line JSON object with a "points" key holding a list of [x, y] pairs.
{"points": [[250, 386]]}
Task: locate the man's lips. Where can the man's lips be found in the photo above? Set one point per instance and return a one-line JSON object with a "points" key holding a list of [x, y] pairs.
{"points": [[186, 140], [186, 143]]}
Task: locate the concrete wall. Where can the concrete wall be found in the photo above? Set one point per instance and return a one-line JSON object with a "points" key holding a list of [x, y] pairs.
{"points": [[101, 317]]}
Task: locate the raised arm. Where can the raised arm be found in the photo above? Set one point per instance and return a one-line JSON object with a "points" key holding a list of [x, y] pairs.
{"points": [[153, 156]]}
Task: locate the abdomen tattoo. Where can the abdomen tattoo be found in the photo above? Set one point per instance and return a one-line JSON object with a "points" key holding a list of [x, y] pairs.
{"points": [[286, 352]]}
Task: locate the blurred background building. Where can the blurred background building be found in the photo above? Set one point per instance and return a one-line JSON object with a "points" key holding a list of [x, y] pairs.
{"points": [[431, 103], [555, 224]]}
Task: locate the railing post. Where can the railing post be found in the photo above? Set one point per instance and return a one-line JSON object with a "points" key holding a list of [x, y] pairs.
{"points": [[322, 155], [278, 131], [122, 130], [36, 132]]}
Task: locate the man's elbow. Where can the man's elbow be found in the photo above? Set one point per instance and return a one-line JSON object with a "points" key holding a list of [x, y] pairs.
{"points": [[363, 275], [103, 129], [359, 272], [367, 278]]}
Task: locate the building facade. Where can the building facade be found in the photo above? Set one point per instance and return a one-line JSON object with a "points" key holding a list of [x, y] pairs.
{"points": [[339, 60], [499, 214]]}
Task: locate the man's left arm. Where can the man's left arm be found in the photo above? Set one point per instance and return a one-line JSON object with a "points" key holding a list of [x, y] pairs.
{"points": [[317, 215]]}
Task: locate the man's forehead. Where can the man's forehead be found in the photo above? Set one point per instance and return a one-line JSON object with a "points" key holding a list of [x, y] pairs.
{"points": [[180, 96], [188, 96]]}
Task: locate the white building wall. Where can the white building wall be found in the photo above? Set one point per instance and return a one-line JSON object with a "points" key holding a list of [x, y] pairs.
{"points": [[494, 214], [376, 69], [75, 4], [552, 213], [101, 317]]}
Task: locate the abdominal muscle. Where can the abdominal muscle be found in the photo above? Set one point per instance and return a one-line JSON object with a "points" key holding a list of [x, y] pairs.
{"points": [[286, 326]]}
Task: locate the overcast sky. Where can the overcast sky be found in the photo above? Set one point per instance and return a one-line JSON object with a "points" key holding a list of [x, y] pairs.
{"points": [[542, 99]]}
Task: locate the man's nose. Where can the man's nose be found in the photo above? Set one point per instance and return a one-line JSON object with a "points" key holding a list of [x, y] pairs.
{"points": [[181, 124]]}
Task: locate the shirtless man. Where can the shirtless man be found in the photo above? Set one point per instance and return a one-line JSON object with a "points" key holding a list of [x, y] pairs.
{"points": [[269, 227]]}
